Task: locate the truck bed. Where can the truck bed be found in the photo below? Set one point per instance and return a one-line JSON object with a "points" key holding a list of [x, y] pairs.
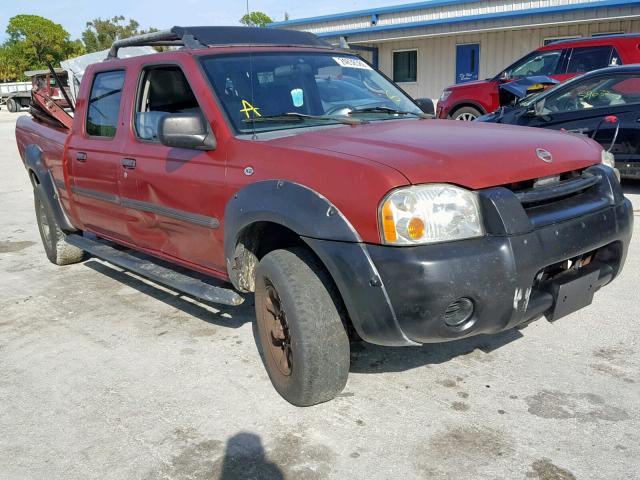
{"points": [[50, 140]]}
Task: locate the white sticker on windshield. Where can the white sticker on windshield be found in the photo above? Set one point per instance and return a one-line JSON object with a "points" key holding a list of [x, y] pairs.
{"points": [[351, 62], [297, 96]]}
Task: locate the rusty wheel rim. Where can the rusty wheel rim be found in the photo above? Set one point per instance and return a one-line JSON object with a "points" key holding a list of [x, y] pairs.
{"points": [[275, 325]]}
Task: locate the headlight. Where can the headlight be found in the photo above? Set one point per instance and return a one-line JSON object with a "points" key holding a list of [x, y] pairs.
{"points": [[609, 160], [445, 94], [429, 214]]}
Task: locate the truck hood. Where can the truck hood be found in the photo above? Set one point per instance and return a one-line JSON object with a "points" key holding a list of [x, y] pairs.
{"points": [[474, 155]]}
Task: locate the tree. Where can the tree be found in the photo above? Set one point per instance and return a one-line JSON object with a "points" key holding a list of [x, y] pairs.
{"points": [[286, 16], [32, 42], [100, 34], [255, 19]]}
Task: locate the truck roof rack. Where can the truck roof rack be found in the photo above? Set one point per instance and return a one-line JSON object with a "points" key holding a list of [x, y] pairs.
{"points": [[204, 37]]}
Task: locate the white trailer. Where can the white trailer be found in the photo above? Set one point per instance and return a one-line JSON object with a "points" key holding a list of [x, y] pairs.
{"points": [[15, 95]]}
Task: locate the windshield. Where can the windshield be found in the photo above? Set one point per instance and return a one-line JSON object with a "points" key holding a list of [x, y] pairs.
{"points": [[595, 92], [270, 91]]}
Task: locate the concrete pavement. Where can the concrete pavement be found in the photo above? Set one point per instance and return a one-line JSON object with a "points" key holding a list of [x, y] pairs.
{"points": [[105, 376]]}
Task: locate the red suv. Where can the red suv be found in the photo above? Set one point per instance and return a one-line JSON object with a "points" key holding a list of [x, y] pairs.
{"points": [[561, 60]]}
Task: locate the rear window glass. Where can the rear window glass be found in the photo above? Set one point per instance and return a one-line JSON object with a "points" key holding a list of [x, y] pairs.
{"points": [[104, 104]]}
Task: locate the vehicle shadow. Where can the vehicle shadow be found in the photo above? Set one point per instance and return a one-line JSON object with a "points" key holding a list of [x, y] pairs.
{"points": [[245, 457], [215, 314], [367, 358]]}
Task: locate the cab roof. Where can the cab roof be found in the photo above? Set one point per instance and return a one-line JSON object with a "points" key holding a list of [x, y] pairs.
{"points": [[205, 37]]}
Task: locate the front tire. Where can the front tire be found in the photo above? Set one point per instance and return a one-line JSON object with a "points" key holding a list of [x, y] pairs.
{"points": [[466, 114], [303, 340], [58, 251]]}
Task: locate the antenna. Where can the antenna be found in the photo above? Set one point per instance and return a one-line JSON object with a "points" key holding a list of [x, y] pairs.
{"points": [[253, 100]]}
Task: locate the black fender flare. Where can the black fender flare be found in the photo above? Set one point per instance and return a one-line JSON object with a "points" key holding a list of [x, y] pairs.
{"points": [[328, 233], [34, 163]]}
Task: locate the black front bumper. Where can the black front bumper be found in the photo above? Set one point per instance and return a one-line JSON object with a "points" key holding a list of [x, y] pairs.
{"points": [[399, 295]]}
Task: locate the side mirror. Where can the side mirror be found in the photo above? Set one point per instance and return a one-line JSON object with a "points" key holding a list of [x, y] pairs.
{"points": [[426, 105], [186, 130]]}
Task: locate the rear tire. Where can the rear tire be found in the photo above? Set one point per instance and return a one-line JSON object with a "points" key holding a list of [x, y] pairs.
{"points": [[12, 106], [303, 341], [58, 251], [466, 114]]}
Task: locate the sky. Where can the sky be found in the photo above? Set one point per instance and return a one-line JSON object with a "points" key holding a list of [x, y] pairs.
{"points": [[73, 14]]}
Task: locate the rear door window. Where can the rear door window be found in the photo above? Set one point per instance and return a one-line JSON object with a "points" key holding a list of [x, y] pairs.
{"points": [[104, 104], [586, 59]]}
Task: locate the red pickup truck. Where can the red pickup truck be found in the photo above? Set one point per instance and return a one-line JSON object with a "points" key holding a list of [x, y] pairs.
{"points": [[561, 60], [279, 165]]}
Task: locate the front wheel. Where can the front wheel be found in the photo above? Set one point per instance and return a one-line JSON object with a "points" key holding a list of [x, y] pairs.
{"points": [[466, 114], [304, 344], [58, 251]]}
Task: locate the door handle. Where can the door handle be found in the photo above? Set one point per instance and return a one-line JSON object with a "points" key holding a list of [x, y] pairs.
{"points": [[129, 163], [81, 157]]}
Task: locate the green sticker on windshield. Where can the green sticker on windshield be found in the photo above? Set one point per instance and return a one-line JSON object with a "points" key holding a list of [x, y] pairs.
{"points": [[297, 96]]}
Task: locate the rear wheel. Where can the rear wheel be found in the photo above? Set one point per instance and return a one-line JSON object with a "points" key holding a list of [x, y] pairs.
{"points": [[466, 114], [58, 251], [12, 106], [304, 344]]}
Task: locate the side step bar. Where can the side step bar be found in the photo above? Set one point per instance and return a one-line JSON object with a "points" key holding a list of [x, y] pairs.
{"points": [[162, 275]]}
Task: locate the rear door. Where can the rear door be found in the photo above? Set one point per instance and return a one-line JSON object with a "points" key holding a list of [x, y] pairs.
{"points": [[93, 157], [174, 197]]}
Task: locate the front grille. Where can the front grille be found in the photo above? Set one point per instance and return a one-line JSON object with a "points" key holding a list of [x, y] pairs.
{"points": [[557, 191], [573, 194]]}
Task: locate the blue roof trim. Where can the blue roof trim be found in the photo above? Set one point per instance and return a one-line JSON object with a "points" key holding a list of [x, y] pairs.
{"points": [[371, 11], [475, 18]]}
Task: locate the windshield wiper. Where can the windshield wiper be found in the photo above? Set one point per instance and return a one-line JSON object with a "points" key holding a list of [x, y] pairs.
{"points": [[387, 110], [287, 117]]}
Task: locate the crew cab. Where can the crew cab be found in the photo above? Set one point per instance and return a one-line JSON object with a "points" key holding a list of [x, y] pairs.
{"points": [[363, 220], [560, 60]]}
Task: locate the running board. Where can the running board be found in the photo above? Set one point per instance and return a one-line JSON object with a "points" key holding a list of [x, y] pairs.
{"points": [[156, 273]]}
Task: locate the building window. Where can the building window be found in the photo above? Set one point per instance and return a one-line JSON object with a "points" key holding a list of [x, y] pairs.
{"points": [[609, 34], [405, 66], [548, 41]]}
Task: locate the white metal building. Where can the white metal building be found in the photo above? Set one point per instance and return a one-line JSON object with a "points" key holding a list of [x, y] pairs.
{"points": [[425, 46]]}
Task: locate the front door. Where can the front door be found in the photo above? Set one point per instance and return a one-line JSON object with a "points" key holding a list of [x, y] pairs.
{"points": [[174, 197], [93, 158], [467, 62]]}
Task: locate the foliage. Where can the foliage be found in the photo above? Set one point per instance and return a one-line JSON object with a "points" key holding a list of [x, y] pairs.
{"points": [[32, 41], [256, 19], [100, 34]]}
